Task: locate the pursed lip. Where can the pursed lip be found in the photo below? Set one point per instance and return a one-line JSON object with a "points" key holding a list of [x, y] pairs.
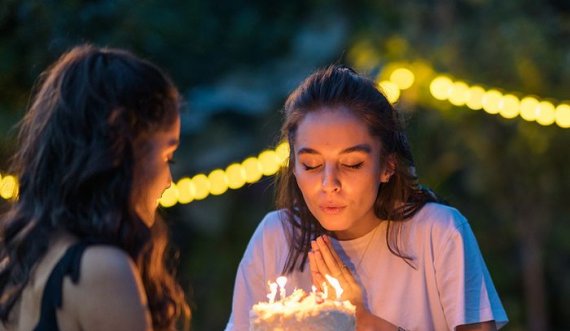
{"points": [[331, 209]]}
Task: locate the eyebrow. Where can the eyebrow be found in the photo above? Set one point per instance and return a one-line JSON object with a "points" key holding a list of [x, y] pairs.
{"points": [[363, 148], [173, 142]]}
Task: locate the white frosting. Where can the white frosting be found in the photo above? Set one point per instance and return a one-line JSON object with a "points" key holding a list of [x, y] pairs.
{"points": [[300, 311]]}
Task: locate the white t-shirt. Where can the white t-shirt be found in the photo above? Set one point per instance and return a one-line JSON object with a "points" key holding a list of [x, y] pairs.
{"points": [[450, 285]]}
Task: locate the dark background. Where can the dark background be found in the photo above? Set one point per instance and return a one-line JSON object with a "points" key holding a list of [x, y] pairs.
{"points": [[235, 62]]}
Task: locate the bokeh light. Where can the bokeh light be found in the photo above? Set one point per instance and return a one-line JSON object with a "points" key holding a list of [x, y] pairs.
{"points": [[545, 113], [186, 190], [403, 78], [491, 100], [528, 108], [440, 87], [218, 182], [509, 106], [563, 116], [391, 90], [201, 186], [459, 93], [236, 176], [475, 100]]}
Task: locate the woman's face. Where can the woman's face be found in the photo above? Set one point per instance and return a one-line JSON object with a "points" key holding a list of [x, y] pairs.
{"points": [[338, 169], [152, 170]]}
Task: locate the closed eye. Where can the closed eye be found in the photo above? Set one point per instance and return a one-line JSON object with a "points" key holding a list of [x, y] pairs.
{"points": [[307, 167], [354, 166], [171, 161]]}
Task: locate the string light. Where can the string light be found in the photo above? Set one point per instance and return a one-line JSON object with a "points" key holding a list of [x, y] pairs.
{"points": [[494, 102], [235, 176], [268, 162], [8, 187]]}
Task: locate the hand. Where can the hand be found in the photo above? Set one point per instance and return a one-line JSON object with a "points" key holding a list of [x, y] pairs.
{"points": [[324, 260]]}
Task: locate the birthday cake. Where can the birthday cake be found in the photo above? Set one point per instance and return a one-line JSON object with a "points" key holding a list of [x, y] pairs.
{"points": [[301, 311]]}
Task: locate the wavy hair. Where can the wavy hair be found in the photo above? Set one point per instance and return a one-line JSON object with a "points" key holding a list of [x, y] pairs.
{"points": [[397, 200], [75, 166]]}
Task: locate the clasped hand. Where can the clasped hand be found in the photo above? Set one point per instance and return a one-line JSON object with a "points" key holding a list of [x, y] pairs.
{"points": [[324, 260]]}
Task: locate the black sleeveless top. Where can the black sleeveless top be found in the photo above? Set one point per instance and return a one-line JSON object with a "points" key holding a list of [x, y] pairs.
{"points": [[52, 298]]}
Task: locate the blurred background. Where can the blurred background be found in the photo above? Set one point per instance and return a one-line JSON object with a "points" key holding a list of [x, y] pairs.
{"points": [[484, 84]]}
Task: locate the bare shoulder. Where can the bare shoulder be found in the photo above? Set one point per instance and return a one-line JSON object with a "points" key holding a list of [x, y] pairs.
{"points": [[110, 294], [106, 262]]}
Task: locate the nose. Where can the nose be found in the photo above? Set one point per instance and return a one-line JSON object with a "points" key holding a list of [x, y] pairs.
{"points": [[330, 182], [168, 181]]}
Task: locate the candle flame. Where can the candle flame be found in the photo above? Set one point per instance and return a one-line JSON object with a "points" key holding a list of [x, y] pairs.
{"points": [[281, 281], [335, 283], [273, 293]]}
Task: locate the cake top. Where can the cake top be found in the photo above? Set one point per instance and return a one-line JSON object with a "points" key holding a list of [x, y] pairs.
{"points": [[301, 302]]}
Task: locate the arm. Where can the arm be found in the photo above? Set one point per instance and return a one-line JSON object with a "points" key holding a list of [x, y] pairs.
{"points": [[110, 294], [467, 293], [483, 326]]}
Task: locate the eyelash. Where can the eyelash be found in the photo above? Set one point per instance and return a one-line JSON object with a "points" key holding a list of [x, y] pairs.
{"points": [[171, 161], [352, 166]]}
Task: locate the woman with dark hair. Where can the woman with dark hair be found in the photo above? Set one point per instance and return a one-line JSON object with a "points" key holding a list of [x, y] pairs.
{"points": [[82, 247], [351, 207]]}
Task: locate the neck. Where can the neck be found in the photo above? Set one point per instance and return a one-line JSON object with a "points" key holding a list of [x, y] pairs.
{"points": [[357, 231]]}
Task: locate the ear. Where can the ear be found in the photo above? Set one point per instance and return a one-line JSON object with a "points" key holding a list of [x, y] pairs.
{"points": [[389, 169]]}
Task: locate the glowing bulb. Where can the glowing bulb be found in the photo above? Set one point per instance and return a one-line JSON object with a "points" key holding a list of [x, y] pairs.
{"points": [[403, 78], [459, 93], [391, 90], [201, 186], [169, 197], [186, 190], [270, 162], [475, 100], [252, 169], [440, 87], [283, 152], [509, 106], [8, 187], [563, 116], [545, 113], [491, 101], [528, 108], [236, 175], [218, 182]]}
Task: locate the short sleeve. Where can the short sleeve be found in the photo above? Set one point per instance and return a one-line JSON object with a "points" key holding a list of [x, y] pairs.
{"points": [[261, 260], [467, 293]]}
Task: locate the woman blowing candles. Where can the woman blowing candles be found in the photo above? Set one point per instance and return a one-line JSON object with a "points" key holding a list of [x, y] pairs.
{"points": [[82, 247], [351, 207]]}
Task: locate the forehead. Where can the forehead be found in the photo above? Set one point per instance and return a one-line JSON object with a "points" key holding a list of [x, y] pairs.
{"points": [[165, 137], [333, 129]]}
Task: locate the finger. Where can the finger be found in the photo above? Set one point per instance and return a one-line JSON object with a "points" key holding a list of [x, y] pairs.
{"points": [[334, 267], [314, 271], [322, 266], [333, 250]]}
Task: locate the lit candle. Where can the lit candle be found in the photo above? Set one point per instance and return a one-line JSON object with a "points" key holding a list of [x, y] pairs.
{"points": [[325, 290], [281, 281], [335, 283], [273, 293]]}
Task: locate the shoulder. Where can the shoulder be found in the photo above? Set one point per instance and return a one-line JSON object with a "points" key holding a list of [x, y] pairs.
{"points": [[440, 220], [274, 220], [108, 262], [269, 236], [112, 282]]}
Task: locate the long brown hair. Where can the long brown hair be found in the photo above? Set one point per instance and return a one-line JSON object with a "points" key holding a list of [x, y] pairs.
{"points": [[75, 166], [398, 199]]}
